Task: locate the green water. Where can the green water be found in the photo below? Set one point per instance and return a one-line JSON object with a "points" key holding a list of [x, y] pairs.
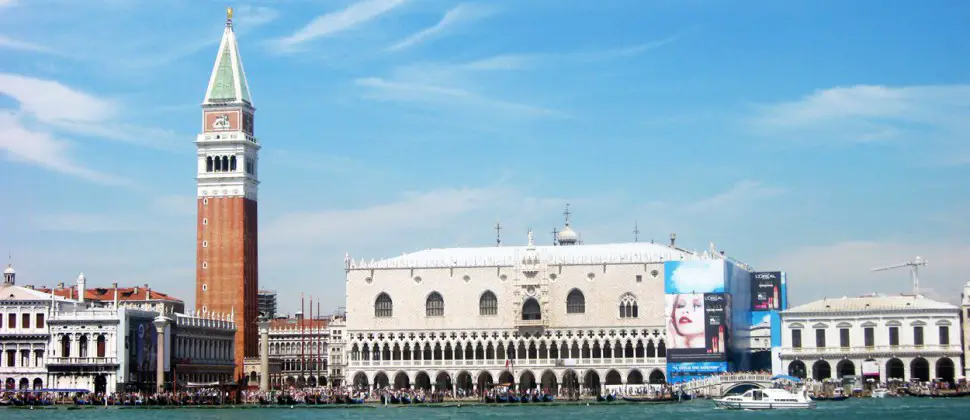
{"points": [[869, 409]]}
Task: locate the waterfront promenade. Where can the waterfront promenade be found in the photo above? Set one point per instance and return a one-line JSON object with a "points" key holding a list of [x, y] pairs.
{"points": [[896, 408]]}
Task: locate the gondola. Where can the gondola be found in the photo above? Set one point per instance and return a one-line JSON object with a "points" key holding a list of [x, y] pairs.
{"points": [[502, 398], [548, 398], [650, 400], [832, 398], [948, 394]]}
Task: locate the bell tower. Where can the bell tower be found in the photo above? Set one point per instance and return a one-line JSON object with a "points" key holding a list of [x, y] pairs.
{"points": [[227, 270]]}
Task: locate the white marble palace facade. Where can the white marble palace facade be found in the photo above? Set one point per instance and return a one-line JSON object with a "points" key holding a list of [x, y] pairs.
{"points": [[909, 338], [24, 334], [577, 316]]}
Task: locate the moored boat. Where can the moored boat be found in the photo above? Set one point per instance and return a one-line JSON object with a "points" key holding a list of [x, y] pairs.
{"points": [[766, 399], [650, 400]]}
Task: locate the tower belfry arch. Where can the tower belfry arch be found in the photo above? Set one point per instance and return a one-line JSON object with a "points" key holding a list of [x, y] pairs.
{"points": [[227, 272]]}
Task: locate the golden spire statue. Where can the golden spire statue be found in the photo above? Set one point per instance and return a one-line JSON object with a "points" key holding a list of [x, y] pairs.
{"points": [[229, 13]]}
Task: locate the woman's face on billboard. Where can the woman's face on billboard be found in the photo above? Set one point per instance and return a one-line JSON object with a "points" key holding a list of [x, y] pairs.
{"points": [[688, 315]]}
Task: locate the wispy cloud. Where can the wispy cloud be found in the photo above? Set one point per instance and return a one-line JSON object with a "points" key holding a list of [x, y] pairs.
{"points": [[436, 208], [90, 223], [847, 265], [500, 62], [13, 44], [67, 109], [458, 14], [526, 61], [249, 16], [866, 113], [50, 101], [734, 198], [46, 108], [42, 149], [339, 21], [381, 89]]}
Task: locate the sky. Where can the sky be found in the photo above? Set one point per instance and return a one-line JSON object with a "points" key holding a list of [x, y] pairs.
{"points": [[823, 138]]}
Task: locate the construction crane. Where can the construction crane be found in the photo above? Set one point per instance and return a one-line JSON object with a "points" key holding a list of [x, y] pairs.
{"points": [[913, 268]]}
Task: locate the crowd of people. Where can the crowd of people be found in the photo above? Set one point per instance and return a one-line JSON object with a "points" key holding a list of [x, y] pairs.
{"points": [[199, 396]]}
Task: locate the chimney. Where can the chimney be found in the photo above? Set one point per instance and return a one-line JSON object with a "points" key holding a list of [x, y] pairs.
{"points": [[115, 285], [136, 290], [148, 292], [673, 239], [60, 285]]}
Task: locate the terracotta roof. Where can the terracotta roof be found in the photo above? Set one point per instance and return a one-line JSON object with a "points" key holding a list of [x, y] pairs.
{"points": [[108, 294]]}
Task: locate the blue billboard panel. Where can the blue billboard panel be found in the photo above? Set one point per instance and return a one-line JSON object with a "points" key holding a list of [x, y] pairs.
{"points": [[693, 277], [687, 371], [766, 327]]}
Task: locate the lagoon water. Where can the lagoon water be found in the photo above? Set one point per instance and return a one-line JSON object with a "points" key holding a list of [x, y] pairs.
{"points": [[873, 409]]}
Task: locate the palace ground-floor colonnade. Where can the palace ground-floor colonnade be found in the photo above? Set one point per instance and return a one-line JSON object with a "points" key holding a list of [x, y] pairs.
{"points": [[553, 380], [904, 368]]}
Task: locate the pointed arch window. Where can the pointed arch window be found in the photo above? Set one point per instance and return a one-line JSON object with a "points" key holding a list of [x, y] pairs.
{"points": [[628, 306], [383, 307], [435, 305], [488, 304], [575, 302], [531, 310]]}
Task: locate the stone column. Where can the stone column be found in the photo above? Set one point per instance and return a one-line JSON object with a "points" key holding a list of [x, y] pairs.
{"points": [[160, 322], [263, 354]]}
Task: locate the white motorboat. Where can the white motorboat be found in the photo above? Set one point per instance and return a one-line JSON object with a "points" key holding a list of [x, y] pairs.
{"points": [[766, 399], [879, 393]]}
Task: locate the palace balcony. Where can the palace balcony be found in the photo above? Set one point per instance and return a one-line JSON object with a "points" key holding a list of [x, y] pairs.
{"points": [[874, 351], [83, 361], [534, 323]]}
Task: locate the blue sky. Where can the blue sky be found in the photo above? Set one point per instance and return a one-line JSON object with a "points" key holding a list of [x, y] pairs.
{"points": [[818, 137]]}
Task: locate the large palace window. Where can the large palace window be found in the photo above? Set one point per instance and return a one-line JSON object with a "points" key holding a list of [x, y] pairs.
{"points": [[628, 306], [575, 302], [530, 310], [383, 307], [488, 304], [435, 305]]}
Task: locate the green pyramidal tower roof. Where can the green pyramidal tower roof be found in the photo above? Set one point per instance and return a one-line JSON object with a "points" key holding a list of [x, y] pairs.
{"points": [[228, 81]]}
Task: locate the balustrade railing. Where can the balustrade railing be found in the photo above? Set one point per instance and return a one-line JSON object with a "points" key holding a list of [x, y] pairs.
{"points": [[82, 360]]}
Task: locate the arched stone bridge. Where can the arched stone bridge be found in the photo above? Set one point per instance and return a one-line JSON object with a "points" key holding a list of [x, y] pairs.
{"points": [[720, 385]]}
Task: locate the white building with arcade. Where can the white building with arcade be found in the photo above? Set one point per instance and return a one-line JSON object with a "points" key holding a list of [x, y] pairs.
{"points": [[569, 317], [903, 337]]}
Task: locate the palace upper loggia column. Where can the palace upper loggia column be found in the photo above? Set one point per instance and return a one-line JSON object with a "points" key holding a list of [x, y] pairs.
{"points": [[263, 323], [160, 323]]}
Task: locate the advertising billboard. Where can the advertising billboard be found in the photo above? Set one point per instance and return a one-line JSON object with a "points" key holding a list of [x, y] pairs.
{"points": [[142, 348], [870, 368], [687, 371], [766, 291], [697, 311], [765, 329]]}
